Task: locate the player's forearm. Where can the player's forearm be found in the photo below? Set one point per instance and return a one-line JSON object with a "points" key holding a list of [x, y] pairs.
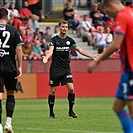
{"points": [[19, 57], [83, 52], [107, 52], [48, 54]]}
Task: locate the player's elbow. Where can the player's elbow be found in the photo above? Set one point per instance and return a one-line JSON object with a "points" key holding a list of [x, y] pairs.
{"points": [[116, 47], [19, 50]]}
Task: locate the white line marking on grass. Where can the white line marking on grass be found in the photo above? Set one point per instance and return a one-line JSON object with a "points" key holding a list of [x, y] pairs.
{"points": [[62, 130]]}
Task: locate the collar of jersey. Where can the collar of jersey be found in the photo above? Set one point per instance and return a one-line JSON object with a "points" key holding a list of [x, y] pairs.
{"points": [[61, 37]]}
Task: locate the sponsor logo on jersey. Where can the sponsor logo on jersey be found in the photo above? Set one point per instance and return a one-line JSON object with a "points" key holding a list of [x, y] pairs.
{"points": [[68, 42], [57, 43], [62, 48], [3, 52]]}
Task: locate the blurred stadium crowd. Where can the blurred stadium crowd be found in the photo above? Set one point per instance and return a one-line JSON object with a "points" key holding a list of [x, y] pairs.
{"points": [[95, 28]]}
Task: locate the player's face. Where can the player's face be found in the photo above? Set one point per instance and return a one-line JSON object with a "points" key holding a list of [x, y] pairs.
{"points": [[63, 28]]}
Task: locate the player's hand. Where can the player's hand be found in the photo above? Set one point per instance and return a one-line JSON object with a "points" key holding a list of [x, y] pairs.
{"points": [[45, 60], [96, 56], [19, 73], [91, 66]]}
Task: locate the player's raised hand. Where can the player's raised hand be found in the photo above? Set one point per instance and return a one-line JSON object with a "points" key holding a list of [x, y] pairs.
{"points": [[19, 73], [45, 60]]}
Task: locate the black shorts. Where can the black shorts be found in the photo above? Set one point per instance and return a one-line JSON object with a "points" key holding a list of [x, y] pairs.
{"points": [[55, 80], [8, 79]]}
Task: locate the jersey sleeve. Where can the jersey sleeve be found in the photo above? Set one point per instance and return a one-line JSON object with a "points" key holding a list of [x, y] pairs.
{"points": [[18, 38], [121, 24], [52, 42], [73, 43]]}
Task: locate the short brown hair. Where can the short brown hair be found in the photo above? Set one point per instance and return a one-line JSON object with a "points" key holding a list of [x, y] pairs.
{"points": [[3, 13], [62, 22], [105, 3]]}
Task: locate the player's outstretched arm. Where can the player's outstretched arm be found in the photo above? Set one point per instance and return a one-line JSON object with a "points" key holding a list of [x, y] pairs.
{"points": [[48, 54], [19, 59], [118, 39], [85, 53]]}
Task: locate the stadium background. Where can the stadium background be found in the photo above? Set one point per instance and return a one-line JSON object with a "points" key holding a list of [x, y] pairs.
{"points": [[101, 83], [34, 82]]}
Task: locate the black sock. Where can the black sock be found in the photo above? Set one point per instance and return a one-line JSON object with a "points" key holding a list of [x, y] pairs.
{"points": [[51, 99], [10, 105], [71, 100], [0, 111]]}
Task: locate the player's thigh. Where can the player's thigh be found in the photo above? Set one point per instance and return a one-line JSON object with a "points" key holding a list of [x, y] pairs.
{"points": [[66, 78], [10, 81], [54, 80]]}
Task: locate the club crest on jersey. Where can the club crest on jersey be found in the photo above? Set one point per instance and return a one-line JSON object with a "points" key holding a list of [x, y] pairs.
{"points": [[68, 42], [3, 52]]}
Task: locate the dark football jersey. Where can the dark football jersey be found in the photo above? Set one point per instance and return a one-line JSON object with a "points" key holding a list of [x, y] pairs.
{"points": [[60, 57], [61, 50], [9, 39]]}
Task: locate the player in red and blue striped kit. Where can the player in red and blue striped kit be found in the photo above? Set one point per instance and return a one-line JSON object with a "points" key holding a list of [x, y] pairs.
{"points": [[123, 40]]}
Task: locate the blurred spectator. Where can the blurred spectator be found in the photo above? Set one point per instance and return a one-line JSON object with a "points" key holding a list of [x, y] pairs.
{"points": [[26, 24], [23, 34], [47, 35], [17, 23], [38, 34], [85, 29], [14, 12], [27, 51], [109, 36], [29, 36], [36, 8], [34, 22], [37, 50], [68, 14], [24, 11], [7, 5], [56, 31], [96, 15], [44, 45], [111, 23], [100, 37]]}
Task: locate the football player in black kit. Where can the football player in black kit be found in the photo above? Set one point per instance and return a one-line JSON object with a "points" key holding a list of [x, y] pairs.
{"points": [[10, 48], [60, 67]]}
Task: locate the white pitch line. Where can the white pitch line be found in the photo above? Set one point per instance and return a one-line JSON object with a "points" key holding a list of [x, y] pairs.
{"points": [[62, 130]]}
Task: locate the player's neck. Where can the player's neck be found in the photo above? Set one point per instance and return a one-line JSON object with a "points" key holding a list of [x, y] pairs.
{"points": [[2, 21], [62, 35]]}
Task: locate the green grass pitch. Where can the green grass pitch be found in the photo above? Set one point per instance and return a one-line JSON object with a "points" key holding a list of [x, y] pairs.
{"points": [[95, 115]]}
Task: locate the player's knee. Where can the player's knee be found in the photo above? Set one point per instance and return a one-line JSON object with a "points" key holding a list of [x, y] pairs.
{"points": [[115, 109], [52, 91], [71, 90]]}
